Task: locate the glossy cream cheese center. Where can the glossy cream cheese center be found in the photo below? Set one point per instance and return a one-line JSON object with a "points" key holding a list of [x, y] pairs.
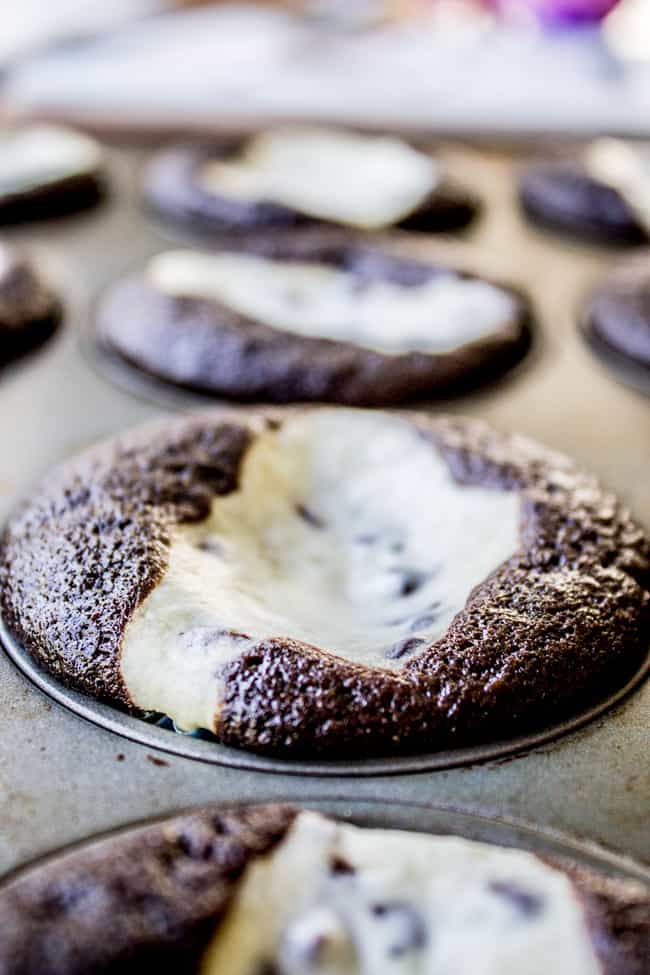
{"points": [[347, 532], [321, 301], [334, 899], [363, 181], [40, 154]]}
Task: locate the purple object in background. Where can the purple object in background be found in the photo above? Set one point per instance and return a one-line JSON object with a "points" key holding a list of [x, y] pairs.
{"points": [[558, 12]]}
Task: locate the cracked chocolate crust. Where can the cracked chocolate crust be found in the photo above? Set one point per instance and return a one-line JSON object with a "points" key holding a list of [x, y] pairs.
{"points": [[29, 311], [154, 895], [203, 345], [149, 896], [562, 196], [562, 623], [172, 190]]}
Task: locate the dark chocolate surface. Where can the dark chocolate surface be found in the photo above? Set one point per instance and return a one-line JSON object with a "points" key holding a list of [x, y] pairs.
{"points": [[150, 896], [153, 897], [204, 345], [29, 310], [561, 623], [171, 188], [44, 190], [618, 312], [563, 197]]}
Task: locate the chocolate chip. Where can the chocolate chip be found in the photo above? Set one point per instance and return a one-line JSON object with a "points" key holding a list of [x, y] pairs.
{"points": [[204, 636], [410, 927], [527, 904], [412, 581], [309, 516], [404, 647], [340, 865], [423, 622]]}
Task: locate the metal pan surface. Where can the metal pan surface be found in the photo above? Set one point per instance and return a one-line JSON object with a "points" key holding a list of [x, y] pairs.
{"points": [[63, 779], [188, 746], [422, 818]]}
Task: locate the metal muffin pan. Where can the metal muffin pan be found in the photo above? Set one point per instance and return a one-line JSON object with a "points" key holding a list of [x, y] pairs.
{"points": [[189, 746], [62, 779], [128, 377], [435, 820]]}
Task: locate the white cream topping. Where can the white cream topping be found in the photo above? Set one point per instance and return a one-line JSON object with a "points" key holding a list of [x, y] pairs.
{"points": [[347, 532], [321, 301], [627, 169], [401, 904], [41, 154], [364, 181]]}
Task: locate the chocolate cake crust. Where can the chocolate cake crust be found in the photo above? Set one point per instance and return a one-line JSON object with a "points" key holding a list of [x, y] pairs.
{"points": [[562, 196], [154, 895], [618, 312], [149, 896], [564, 620], [30, 312], [206, 346], [51, 191], [171, 189]]}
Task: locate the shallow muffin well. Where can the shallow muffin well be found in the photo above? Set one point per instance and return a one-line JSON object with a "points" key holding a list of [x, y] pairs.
{"points": [[315, 320], [357, 887], [318, 585]]}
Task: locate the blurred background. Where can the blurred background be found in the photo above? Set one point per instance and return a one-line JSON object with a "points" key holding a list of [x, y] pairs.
{"points": [[496, 66]]}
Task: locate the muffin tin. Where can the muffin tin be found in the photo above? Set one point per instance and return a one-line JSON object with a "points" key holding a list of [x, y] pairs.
{"points": [[64, 780], [441, 822], [159, 732]]}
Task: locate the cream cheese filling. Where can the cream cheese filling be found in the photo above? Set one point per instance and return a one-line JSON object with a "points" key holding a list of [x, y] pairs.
{"points": [[320, 301], [347, 532], [41, 154], [626, 168], [335, 899], [364, 181]]}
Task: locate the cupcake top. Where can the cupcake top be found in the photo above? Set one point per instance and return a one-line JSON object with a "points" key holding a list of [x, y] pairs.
{"points": [[330, 582], [30, 311], [298, 176], [319, 319], [46, 171], [281, 890]]}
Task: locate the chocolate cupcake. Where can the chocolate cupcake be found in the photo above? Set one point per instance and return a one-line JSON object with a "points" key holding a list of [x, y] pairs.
{"points": [[47, 171], [314, 320], [275, 889], [29, 310], [600, 195], [617, 316], [287, 179], [330, 582]]}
